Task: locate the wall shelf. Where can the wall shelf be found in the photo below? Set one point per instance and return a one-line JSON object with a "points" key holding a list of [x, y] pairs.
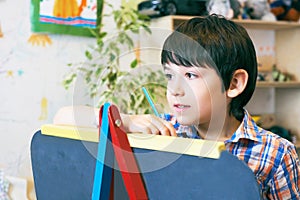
{"points": [[268, 84], [249, 24], [267, 25]]}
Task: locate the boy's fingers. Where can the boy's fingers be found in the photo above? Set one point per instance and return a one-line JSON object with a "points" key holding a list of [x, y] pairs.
{"points": [[170, 128], [156, 126], [164, 127], [164, 130], [145, 125], [152, 129], [148, 124]]}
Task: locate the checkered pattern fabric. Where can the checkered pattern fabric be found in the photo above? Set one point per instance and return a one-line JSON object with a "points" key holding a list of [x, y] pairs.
{"points": [[273, 159]]}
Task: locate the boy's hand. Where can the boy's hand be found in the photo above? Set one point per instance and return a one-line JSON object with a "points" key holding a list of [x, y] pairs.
{"points": [[87, 116], [84, 116], [149, 124]]}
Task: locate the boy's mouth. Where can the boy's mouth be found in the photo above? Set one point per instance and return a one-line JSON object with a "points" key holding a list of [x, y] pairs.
{"points": [[180, 107]]}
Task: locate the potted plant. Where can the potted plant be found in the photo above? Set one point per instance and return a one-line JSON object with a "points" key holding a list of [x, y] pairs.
{"points": [[105, 79]]}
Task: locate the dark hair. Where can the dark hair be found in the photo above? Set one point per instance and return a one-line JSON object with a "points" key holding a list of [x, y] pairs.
{"points": [[216, 42]]}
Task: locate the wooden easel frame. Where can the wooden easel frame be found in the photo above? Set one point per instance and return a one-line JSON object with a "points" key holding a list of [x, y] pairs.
{"points": [[111, 130]]}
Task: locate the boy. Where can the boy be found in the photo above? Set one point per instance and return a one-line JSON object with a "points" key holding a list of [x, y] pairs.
{"points": [[211, 67]]}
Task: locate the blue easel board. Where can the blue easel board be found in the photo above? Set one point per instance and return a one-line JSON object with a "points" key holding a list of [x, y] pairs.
{"points": [[64, 169]]}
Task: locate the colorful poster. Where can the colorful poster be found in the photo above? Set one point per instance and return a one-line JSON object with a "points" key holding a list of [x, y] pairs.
{"points": [[75, 17]]}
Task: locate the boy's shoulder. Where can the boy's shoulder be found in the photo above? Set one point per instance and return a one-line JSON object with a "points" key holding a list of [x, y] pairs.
{"points": [[263, 137], [265, 154], [258, 144], [269, 139]]}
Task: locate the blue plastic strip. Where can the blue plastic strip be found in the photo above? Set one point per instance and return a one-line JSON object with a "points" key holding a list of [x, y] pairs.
{"points": [[103, 173]]}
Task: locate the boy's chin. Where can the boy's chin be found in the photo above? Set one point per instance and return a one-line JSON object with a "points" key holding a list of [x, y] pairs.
{"points": [[185, 121]]}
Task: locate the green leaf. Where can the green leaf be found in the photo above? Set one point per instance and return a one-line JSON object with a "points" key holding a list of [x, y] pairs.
{"points": [[102, 68], [102, 35], [134, 63], [147, 29], [88, 55]]}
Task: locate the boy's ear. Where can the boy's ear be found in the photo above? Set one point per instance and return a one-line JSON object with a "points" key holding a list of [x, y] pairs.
{"points": [[238, 83]]}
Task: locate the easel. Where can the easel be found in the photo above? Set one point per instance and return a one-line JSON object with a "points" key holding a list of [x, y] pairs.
{"points": [[111, 131], [123, 166]]}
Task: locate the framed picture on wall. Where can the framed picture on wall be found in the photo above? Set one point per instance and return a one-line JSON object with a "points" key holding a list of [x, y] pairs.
{"points": [[72, 17]]}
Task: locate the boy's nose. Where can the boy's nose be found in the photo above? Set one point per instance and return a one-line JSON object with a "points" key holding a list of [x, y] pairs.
{"points": [[177, 88]]}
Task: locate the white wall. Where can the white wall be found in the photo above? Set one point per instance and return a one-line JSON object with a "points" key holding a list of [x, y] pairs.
{"points": [[29, 75]]}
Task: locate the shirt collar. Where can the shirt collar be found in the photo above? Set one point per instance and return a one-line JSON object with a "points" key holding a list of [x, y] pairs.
{"points": [[248, 129]]}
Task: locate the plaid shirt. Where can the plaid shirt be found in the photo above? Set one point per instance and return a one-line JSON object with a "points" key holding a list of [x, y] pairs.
{"points": [[273, 159]]}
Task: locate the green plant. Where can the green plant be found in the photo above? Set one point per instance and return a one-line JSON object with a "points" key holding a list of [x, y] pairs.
{"points": [[104, 78]]}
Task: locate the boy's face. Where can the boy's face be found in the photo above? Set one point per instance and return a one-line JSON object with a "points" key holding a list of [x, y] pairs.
{"points": [[195, 94]]}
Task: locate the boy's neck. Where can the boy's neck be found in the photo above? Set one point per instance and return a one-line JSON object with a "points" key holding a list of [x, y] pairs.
{"points": [[219, 131]]}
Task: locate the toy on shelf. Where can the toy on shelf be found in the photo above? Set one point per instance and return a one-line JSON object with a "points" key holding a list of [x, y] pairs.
{"points": [[243, 13], [228, 8], [288, 10], [254, 9], [280, 76], [220, 8], [261, 76]]}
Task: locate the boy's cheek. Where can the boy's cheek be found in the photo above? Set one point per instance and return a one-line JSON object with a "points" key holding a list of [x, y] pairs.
{"points": [[170, 102]]}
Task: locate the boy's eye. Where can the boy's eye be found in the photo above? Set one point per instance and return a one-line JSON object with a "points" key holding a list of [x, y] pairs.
{"points": [[191, 75], [168, 76]]}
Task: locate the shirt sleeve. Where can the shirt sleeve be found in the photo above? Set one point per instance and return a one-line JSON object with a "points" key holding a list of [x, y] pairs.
{"points": [[286, 181]]}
